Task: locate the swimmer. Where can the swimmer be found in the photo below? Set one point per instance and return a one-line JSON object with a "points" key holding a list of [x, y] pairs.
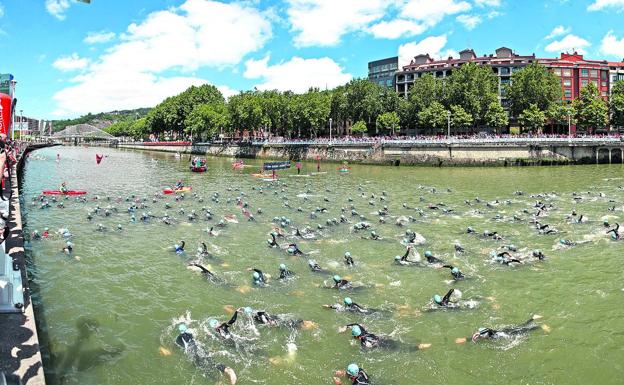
{"points": [[403, 260], [487, 333], [369, 340], [207, 273], [340, 283], [455, 272], [69, 247], [264, 318], [459, 248], [431, 258], [316, 268], [538, 254], [179, 248], [349, 305], [293, 249], [186, 341], [504, 258], [223, 330], [348, 259], [443, 301], [35, 235], [354, 373], [615, 233], [285, 273], [203, 251], [258, 277]]}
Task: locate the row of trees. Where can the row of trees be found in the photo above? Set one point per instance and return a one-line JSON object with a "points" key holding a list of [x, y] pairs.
{"points": [[467, 99]]}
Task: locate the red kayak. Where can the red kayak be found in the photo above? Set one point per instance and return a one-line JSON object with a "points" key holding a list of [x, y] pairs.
{"points": [[168, 191], [58, 192], [199, 169]]}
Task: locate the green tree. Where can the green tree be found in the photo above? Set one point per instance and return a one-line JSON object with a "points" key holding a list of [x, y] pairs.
{"points": [[139, 128], [460, 119], [590, 109], [359, 127], [534, 84], [495, 116], [561, 113], [207, 120], [474, 88], [616, 104], [532, 118], [388, 121], [433, 118]]}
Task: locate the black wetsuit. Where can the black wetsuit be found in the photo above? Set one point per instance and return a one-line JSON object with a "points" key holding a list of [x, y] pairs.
{"points": [[273, 242], [296, 251], [446, 299], [342, 284], [264, 318], [349, 260], [223, 330], [457, 275], [185, 340], [360, 379], [285, 274], [205, 271], [510, 331]]}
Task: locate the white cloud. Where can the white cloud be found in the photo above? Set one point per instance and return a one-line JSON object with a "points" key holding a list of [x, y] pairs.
{"points": [[432, 12], [598, 5], [569, 43], [297, 74], [558, 31], [99, 37], [1, 10], [57, 8], [432, 45], [612, 46], [324, 22], [227, 91], [397, 28], [469, 21], [488, 3], [197, 34], [72, 62]]}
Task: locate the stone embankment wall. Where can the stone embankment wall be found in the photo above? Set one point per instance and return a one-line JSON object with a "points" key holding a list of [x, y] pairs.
{"points": [[410, 154]]}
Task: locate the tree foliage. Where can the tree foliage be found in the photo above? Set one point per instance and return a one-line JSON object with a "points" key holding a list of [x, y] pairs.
{"points": [[389, 122], [532, 118], [460, 119], [495, 116], [616, 104], [590, 109], [434, 117], [534, 84]]}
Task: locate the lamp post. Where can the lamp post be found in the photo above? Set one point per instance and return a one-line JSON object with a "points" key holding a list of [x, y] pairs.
{"points": [[448, 119], [330, 129], [21, 123], [569, 125]]}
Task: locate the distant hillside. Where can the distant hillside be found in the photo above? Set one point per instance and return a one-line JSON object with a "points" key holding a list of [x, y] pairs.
{"points": [[101, 120]]}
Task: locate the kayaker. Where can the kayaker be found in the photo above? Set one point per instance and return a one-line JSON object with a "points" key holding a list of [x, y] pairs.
{"points": [[179, 185], [63, 189]]}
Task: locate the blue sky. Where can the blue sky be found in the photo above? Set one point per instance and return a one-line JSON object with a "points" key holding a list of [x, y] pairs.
{"points": [[71, 58]]}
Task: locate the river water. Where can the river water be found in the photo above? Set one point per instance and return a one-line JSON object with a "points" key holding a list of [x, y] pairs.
{"points": [[108, 313]]}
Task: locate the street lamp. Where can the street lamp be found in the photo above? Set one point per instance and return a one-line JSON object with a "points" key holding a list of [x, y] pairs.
{"points": [[569, 125], [448, 119], [330, 129]]}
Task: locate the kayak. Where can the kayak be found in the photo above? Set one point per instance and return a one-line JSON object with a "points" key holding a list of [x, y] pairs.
{"points": [[179, 190], [259, 175], [199, 169], [69, 192]]}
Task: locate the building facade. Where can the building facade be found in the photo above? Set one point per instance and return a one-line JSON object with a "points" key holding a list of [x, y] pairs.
{"points": [[383, 71]]}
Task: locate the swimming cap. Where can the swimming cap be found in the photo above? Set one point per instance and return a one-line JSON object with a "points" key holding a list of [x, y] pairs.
{"points": [[356, 331], [562, 241], [373, 233], [270, 241], [336, 278], [536, 252], [247, 310], [348, 301], [353, 370], [282, 267], [69, 243], [455, 270], [397, 257], [482, 330], [256, 275], [428, 253], [493, 254], [182, 328], [291, 249], [347, 254], [437, 299], [213, 323]]}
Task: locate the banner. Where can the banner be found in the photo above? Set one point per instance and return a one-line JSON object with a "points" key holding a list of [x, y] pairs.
{"points": [[5, 84], [5, 114], [276, 166]]}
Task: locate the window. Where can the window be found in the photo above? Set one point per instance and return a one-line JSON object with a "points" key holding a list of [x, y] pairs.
{"points": [[603, 75], [557, 71], [594, 73], [504, 71], [568, 82], [585, 72], [584, 82], [567, 72], [389, 82], [594, 82], [604, 93], [568, 93]]}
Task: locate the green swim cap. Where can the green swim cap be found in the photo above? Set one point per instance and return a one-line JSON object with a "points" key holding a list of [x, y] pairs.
{"points": [[373, 233], [247, 310], [562, 241], [182, 328], [282, 267], [291, 250], [213, 323], [356, 331], [455, 270], [337, 278], [428, 253], [347, 254], [256, 275], [397, 257], [492, 253], [353, 370], [437, 299], [348, 301]]}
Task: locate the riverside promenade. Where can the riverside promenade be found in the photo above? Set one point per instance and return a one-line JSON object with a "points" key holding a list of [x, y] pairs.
{"points": [[20, 355], [431, 151]]}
